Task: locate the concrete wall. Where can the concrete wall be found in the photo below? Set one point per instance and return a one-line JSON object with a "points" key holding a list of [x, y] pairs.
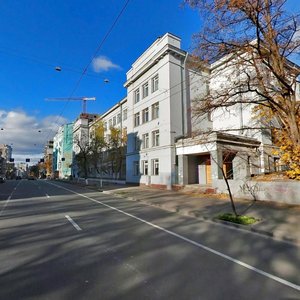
{"points": [[287, 191]]}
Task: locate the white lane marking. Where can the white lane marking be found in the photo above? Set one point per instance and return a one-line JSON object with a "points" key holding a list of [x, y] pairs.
{"points": [[4, 206], [236, 261], [47, 196], [73, 222], [8, 199]]}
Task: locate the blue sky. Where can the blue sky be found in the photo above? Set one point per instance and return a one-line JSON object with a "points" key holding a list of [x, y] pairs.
{"points": [[38, 35]]}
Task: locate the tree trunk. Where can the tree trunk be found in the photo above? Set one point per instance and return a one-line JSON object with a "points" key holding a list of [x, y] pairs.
{"points": [[230, 194]]}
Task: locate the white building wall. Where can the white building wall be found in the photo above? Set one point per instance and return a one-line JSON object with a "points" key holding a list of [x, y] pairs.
{"points": [[237, 119], [179, 86], [6, 152], [198, 85], [164, 58], [80, 133], [116, 117], [58, 146]]}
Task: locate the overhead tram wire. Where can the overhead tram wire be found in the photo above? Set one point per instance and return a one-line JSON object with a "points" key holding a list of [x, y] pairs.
{"points": [[41, 61], [93, 57], [99, 47]]}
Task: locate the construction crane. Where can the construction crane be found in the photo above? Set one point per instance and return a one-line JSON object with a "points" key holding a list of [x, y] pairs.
{"points": [[83, 99]]}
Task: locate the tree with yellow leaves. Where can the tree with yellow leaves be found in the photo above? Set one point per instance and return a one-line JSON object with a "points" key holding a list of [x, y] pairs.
{"points": [[258, 40], [117, 151], [97, 146]]}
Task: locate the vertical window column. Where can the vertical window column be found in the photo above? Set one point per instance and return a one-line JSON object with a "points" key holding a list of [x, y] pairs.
{"points": [[155, 138], [155, 166]]}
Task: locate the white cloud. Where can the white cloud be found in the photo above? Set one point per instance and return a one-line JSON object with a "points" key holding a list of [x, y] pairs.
{"points": [[26, 134], [103, 63]]}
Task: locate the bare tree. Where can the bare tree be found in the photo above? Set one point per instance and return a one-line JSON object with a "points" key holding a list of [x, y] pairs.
{"points": [[249, 46], [226, 167], [98, 146], [82, 155]]}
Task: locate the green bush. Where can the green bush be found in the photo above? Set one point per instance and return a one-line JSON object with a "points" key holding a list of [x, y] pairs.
{"points": [[244, 220]]}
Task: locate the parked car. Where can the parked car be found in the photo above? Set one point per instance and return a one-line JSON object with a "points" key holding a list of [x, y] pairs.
{"points": [[18, 177], [31, 178], [2, 179]]}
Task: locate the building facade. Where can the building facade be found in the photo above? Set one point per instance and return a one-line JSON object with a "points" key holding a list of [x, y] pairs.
{"points": [[48, 159], [5, 158], [110, 162], [158, 112], [167, 143], [80, 140], [63, 151]]}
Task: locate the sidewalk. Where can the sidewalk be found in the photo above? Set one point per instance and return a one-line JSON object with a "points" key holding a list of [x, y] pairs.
{"points": [[280, 221]]}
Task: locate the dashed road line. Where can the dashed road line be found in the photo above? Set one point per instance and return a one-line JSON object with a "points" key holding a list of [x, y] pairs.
{"points": [[199, 245], [8, 199], [73, 222]]}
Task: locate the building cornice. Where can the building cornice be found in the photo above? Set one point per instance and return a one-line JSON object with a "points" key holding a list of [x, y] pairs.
{"points": [[153, 60]]}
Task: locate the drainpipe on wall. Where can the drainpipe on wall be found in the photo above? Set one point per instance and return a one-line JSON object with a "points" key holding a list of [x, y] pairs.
{"points": [[183, 84], [241, 119], [183, 117]]}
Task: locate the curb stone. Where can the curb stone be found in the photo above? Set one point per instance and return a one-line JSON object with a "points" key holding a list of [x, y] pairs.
{"points": [[269, 234]]}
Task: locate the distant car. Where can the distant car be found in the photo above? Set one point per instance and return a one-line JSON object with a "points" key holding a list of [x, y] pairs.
{"points": [[2, 179], [31, 178]]}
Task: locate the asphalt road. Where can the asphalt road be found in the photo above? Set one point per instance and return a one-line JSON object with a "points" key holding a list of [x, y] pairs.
{"points": [[61, 241]]}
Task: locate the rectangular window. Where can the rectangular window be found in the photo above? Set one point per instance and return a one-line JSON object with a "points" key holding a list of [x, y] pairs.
{"points": [[155, 110], [145, 89], [136, 168], [118, 118], [125, 114], [155, 138], [137, 143], [154, 83], [114, 120], [110, 123], [145, 167], [105, 126], [145, 140], [155, 166], [145, 115], [137, 119], [137, 96]]}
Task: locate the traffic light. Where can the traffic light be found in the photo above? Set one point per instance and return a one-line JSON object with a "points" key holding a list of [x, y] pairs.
{"points": [[27, 159], [11, 159]]}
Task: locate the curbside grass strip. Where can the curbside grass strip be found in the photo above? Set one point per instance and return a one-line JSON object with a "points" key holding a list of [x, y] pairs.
{"points": [[250, 228]]}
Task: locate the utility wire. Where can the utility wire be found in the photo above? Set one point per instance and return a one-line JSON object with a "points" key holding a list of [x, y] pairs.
{"points": [[41, 61], [93, 57], [99, 47]]}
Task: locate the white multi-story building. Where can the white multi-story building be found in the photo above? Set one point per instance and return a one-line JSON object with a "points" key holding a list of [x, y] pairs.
{"points": [[5, 157], [157, 112], [166, 144], [6, 151], [116, 117], [80, 139], [48, 158]]}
